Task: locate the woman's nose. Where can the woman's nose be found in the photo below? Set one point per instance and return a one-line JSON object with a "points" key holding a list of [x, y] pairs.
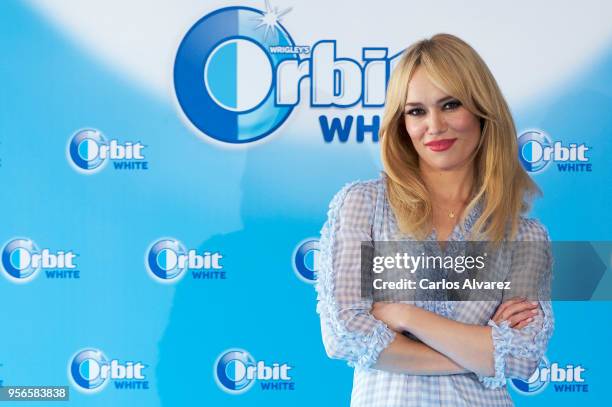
{"points": [[436, 124]]}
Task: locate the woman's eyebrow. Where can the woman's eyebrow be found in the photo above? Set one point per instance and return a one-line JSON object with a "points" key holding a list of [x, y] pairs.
{"points": [[444, 99]]}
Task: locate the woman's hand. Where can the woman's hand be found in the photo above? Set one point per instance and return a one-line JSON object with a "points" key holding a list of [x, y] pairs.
{"points": [[517, 311], [392, 314]]}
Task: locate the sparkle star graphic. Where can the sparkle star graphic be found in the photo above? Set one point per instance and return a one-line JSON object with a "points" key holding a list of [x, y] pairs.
{"points": [[271, 19]]}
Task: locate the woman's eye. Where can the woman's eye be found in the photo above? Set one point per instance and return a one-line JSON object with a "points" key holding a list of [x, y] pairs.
{"points": [[453, 104], [415, 112]]}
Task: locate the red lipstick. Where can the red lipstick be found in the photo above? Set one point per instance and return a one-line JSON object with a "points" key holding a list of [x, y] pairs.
{"points": [[441, 145]]}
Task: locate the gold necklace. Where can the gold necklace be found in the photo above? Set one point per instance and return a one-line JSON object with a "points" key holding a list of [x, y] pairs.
{"points": [[451, 213]]}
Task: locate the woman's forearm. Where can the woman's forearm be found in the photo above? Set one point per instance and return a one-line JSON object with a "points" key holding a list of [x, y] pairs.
{"points": [[407, 356], [470, 346]]}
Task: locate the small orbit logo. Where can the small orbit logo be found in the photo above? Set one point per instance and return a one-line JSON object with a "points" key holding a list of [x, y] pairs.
{"points": [[536, 383], [17, 259], [306, 260], [22, 259], [235, 371], [224, 74], [567, 378], [85, 369], [89, 150], [231, 371], [537, 151], [164, 259], [167, 261], [84, 150], [89, 370]]}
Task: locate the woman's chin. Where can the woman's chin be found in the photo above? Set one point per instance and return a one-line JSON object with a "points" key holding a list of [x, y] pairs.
{"points": [[445, 165]]}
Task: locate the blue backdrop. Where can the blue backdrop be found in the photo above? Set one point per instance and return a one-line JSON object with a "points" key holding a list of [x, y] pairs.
{"points": [[251, 203]]}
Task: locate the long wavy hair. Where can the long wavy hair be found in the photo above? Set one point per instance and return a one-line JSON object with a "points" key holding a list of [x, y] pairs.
{"points": [[501, 185]]}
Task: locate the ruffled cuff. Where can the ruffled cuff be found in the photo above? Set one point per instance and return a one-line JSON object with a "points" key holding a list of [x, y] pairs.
{"points": [[502, 342], [375, 344]]}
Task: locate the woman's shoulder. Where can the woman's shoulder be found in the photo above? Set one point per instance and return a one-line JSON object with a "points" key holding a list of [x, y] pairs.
{"points": [[531, 230], [357, 194], [355, 203]]}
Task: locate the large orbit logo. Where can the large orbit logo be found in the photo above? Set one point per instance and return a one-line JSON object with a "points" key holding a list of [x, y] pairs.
{"points": [[22, 259], [238, 75], [235, 372], [89, 370], [224, 74]]}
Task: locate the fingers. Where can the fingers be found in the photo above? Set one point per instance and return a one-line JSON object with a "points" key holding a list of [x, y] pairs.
{"points": [[378, 308], [521, 317], [523, 324], [502, 307], [497, 316], [518, 308]]}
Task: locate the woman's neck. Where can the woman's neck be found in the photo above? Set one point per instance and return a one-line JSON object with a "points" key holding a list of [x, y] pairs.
{"points": [[451, 186]]}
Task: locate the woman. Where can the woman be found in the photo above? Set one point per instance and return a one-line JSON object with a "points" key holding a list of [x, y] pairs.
{"points": [[451, 174]]}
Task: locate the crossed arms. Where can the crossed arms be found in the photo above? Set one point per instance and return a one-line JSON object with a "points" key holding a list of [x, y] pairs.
{"points": [[366, 334]]}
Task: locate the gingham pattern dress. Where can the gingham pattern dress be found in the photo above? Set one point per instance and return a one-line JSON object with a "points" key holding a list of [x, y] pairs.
{"points": [[361, 212]]}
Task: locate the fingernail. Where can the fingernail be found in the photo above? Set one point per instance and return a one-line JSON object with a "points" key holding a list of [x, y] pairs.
{"points": [[529, 319], [534, 303], [534, 311]]}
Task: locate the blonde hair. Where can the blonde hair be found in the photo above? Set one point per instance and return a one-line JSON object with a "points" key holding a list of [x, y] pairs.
{"points": [[501, 184]]}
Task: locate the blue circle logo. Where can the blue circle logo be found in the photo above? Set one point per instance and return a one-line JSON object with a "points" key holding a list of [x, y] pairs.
{"points": [[306, 260], [86, 369], [84, 150], [224, 74], [533, 146], [231, 371], [536, 382], [166, 259], [18, 261]]}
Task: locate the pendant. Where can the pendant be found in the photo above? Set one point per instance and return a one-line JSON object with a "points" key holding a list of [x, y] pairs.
{"points": [[451, 214]]}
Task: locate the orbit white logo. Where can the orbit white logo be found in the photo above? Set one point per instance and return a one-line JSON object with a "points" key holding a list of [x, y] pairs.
{"points": [[252, 72], [22, 259], [235, 372], [565, 379], [537, 151], [89, 370], [167, 259], [88, 152]]}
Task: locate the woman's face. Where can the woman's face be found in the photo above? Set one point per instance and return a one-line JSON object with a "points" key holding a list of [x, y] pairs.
{"points": [[444, 133]]}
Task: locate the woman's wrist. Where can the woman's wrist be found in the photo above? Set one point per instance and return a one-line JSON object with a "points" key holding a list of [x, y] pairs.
{"points": [[407, 317]]}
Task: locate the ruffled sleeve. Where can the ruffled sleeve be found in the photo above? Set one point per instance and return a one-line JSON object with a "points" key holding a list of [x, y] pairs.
{"points": [[517, 352], [349, 331]]}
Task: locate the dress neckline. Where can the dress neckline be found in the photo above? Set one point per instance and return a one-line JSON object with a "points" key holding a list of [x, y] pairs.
{"points": [[459, 232]]}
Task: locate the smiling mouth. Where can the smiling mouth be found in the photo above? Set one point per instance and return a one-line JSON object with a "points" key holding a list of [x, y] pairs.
{"points": [[441, 145]]}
